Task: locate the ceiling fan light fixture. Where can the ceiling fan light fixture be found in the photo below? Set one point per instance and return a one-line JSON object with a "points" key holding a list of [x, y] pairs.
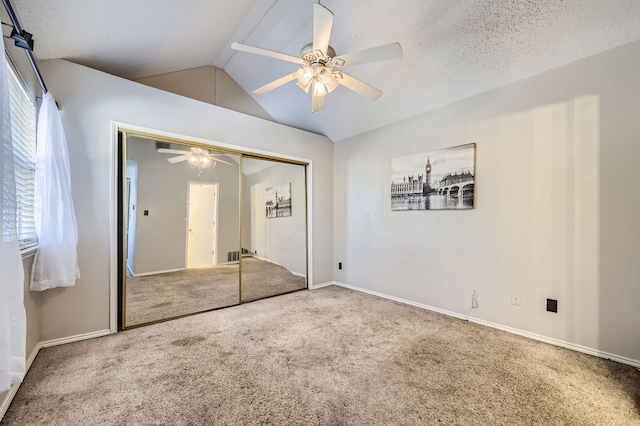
{"points": [[198, 157], [331, 85], [305, 78], [304, 75], [325, 77], [304, 87], [319, 88]]}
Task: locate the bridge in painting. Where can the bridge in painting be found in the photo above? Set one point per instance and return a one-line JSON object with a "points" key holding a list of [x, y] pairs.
{"points": [[456, 185]]}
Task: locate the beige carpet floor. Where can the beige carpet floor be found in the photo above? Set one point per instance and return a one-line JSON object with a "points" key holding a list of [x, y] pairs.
{"points": [[157, 297], [324, 357]]}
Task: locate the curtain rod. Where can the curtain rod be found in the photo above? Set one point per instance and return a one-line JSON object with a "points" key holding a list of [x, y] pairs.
{"points": [[23, 40]]}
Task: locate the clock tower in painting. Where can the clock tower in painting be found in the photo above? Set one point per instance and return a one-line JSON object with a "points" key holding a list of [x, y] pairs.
{"points": [[427, 175]]}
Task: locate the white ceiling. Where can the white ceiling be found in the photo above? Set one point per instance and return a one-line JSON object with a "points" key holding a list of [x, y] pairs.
{"points": [[452, 49]]}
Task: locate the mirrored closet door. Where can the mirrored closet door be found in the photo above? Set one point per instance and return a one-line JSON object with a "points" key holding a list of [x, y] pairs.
{"points": [[205, 228], [273, 228]]}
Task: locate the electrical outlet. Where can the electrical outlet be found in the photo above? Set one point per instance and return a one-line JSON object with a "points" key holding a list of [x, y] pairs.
{"points": [[339, 265], [515, 299], [552, 305]]}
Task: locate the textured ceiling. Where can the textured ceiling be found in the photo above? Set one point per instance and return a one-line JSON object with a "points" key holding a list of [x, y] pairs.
{"points": [[132, 38], [452, 49]]}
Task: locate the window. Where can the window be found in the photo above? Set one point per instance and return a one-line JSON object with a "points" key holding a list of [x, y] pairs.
{"points": [[23, 133]]}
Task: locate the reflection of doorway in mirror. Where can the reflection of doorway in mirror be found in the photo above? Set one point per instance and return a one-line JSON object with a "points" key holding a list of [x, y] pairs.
{"points": [[131, 200], [202, 224]]}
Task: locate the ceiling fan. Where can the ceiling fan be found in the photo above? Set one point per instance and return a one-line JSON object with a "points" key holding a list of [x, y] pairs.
{"points": [[197, 156], [318, 62]]}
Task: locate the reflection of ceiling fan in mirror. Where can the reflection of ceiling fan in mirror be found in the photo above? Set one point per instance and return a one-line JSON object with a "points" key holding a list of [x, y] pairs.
{"points": [[197, 156], [318, 62]]}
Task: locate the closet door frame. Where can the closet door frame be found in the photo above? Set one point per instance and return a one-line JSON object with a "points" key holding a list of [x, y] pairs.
{"points": [[120, 132]]}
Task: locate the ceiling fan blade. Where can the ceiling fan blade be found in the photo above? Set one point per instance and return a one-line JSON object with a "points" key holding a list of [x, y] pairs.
{"points": [[357, 86], [275, 84], [265, 52], [322, 24], [171, 151], [385, 52], [217, 159], [317, 103], [179, 158]]}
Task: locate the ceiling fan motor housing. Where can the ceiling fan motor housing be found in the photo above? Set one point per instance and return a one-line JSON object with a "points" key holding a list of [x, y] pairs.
{"points": [[311, 57]]}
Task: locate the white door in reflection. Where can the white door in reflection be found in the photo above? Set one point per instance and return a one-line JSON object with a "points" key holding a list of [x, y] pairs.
{"points": [[201, 225]]}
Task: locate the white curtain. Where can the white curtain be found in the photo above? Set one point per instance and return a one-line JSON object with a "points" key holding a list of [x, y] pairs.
{"points": [[12, 315], [56, 261]]}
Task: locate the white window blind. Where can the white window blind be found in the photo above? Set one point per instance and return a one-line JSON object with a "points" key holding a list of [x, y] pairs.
{"points": [[23, 133]]}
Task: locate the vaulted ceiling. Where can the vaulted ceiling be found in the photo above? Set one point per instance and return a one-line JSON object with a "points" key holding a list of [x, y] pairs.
{"points": [[452, 49]]}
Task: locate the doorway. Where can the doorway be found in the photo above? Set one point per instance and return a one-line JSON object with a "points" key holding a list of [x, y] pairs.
{"points": [[202, 224]]}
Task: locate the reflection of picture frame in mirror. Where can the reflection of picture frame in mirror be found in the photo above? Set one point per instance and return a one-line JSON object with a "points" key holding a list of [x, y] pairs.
{"points": [[278, 201]]}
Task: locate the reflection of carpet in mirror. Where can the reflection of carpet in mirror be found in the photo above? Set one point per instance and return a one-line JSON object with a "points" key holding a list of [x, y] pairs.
{"points": [[155, 297]]}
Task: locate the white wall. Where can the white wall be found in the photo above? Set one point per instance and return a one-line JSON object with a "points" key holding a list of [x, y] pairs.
{"points": [[556, 213], [90, 100], [208, 84]]}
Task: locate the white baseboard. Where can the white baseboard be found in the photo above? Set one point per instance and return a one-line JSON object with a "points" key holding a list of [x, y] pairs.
{"points": [[4, 406], [256, 256], [558, 342], [530, 335], [144, 274], [76, 338], [264, 259], [321, 285]]}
